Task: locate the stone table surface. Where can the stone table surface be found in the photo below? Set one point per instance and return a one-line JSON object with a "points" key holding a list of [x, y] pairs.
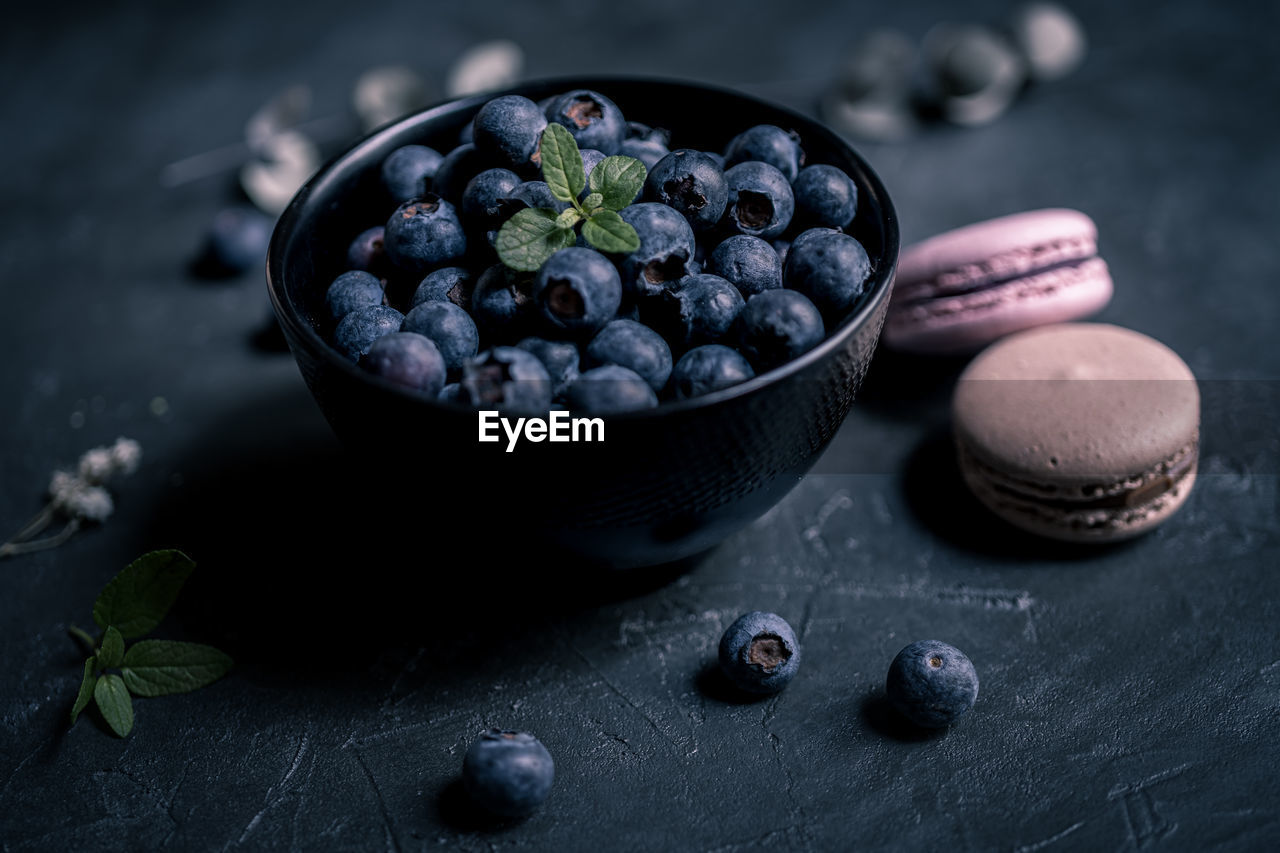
{"points": [[1130, 695]]}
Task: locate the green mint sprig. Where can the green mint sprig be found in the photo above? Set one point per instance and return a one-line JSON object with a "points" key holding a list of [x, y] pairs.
{"points": [[133, 604], [534, 234]]}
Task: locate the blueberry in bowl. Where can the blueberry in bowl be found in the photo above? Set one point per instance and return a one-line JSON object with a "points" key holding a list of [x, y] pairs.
{"points": [[683, 456]]}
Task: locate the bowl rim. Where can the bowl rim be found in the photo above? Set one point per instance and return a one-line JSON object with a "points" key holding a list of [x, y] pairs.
{"points": [[289, 314]]}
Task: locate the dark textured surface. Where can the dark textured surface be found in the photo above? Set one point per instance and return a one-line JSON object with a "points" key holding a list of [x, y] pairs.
{"points": [[1130, 696]]}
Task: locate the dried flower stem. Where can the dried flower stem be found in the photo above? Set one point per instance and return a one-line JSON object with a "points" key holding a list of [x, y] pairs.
{"points": [[13, 549]]}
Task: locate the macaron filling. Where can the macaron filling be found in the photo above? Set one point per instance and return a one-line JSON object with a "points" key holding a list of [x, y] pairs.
{"points": [[990, 294], [1000, 269]]}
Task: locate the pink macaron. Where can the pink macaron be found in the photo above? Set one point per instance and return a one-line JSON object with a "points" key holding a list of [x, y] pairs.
{"points": [[959, 291]]}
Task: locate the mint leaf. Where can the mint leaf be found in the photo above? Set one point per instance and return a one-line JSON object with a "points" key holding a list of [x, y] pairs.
{"points": [[619, 180], [561, 163], [87, 684], [160, 667], [591, 202], [136, 599], [114, 703], [568, 218], [609, 232], [530, 237], [112, 651]]}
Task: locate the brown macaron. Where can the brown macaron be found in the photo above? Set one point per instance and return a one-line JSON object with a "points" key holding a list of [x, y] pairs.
{"points": [[1083, 432]]}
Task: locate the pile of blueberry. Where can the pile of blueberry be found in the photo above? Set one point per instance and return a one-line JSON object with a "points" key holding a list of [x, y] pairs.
{"points": [[742, 265]]}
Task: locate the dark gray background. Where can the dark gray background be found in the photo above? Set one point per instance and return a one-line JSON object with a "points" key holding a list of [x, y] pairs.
{"points": [[1130, 696]]}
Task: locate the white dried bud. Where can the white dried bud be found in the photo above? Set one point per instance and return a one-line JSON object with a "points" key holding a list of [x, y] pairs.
{"points": [[126, 453], [92, 503], [96, 465], [62, 485]]}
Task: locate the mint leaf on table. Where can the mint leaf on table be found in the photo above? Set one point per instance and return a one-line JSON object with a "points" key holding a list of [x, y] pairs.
{"points": [[530, 237], [111, 653], [135, 600], [87, 684], [114, 703], [619, 180], [162, 667], [609, 232], [562, 163]]}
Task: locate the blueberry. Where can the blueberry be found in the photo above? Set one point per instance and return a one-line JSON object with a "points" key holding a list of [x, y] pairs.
{"points": [[509, 129], [532, 194], [830, 268], [508, 773], [776, 326], [751, 264], [357, 331], [452, 393], [352, 290], [690, 182], [932, 684], [406, 359], [407, 171], [666, 247], [560, 358], [482, 200], [592, 119], [577, 292], [700, 310], [590, 159], [708, 368], [449, 327], [608, 390], [647, 151], [448, 284], [502, 301], [825, 197], [423, 234], [781, 247], [645, 133], [367, 251], [458, 167], [238, 239], [506, 378], [766, 143], [759, 652], [634, 346], [760, 200]]}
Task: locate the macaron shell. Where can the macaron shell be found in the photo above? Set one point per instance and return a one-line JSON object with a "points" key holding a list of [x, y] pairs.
{"points": [[966, 323], [1076, 403], [976, 243]]}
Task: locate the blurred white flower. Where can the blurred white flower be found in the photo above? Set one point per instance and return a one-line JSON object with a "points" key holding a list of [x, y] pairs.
{"points": [[96, 465], [126, 453], [92, 503]]}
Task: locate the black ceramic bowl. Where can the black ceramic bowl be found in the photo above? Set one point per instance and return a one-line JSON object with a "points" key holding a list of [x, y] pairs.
{"points": [[665, 483]]}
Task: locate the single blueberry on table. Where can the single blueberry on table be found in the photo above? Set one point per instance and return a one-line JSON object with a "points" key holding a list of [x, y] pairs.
{"points": [[689, 181], [502, 302], [367, 251], [509, 130], [560, 358], [932, 684], [458, 167], [825, 197], [424, 234], [238, 240], [830, 268], [508, 773], [701, 309], [357, 331], [634, 346], [751, 264], [759, 653], [407, 171], [766, 143], [577, 291], [448, 284], [708, 368], [507, 379], [609, 389], [760, 200], [776, 326], [448, 327], [593, 120], [667, 246], [482, 200], [407, 359], [351, 290]]}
